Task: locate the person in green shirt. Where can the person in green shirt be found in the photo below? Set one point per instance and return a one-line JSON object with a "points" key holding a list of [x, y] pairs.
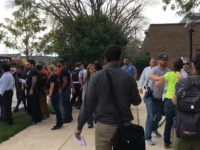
{"points": [[170, 78]]}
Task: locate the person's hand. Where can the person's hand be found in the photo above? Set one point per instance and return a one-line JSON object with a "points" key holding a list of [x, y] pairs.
{"points": [[77, 134], [73, 91], [141, 90], [48, 100], [31, 92]]}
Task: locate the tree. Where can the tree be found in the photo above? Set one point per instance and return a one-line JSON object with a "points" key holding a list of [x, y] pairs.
{"points": [[23, 32], [89, 38], [83, 28], [183, 6]]}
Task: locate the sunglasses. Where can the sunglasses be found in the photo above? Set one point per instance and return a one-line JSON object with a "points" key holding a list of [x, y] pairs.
{"points": [[186, 63]]}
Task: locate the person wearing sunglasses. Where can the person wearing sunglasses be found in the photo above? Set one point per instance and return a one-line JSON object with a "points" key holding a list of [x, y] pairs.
{"points": [[186, 70]]}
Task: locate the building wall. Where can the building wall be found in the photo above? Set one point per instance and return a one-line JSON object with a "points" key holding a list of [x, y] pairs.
{"points": [[172, 39]]}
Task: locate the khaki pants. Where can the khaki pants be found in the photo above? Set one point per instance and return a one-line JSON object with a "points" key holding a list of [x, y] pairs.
{"points": [[103, 136], [183, 144]]}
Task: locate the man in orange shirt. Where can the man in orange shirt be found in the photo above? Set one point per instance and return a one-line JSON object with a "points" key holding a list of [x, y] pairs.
{"points": [[43, 68]]}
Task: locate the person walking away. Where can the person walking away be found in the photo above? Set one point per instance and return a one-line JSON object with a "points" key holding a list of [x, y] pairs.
{"points": [[77, 94], [90, 71], [34, 90], [98, 99], [129, 68], [6, 93], [65, 92], [171, 78], [181, 88], [43, 102], [53, 95], [154, 103]]}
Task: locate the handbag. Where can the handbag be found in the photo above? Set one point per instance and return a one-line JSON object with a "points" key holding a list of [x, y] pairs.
{"points": [[126, 137]]}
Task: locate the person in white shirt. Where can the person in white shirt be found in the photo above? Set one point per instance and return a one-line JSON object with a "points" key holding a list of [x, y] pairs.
{"points": [[144, 78], [6, 93], [186, 70]]}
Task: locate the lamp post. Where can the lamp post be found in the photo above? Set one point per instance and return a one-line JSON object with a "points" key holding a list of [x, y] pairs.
{"points": [[190, 27]]}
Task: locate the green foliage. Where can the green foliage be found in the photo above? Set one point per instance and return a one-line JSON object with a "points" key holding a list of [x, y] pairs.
{"points": [[183, 6], [23, 32], [86, 39], [140, 62], [136, 56], [21, 121]]}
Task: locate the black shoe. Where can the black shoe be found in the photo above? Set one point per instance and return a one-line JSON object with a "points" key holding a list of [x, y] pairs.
{"points": [[16, 110], [90, 126], [56, 128], [67, 121]]}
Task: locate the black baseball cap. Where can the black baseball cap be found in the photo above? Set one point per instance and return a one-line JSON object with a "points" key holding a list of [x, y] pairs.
{"points": [[163, 57]]}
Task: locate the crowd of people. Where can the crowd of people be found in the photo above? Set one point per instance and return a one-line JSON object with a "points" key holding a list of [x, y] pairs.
{"points": [[90, 91]]}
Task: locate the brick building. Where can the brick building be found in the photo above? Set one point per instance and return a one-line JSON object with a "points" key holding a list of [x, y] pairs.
{"points": [[172, 39]]}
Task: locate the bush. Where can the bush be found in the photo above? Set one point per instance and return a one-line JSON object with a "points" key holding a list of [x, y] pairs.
{"points": [[140, 62]]}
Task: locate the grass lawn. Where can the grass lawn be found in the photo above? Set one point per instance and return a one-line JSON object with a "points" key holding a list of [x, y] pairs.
{"points": [[21, 121]]}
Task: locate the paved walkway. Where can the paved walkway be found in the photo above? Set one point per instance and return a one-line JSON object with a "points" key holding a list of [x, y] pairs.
{"points": [[40, 137]]}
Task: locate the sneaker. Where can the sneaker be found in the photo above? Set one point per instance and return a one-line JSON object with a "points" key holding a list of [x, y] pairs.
{"points": [[157, 133], [150, 142]]}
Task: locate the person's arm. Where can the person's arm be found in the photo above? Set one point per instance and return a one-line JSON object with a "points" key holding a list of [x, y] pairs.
{"points": [[153, 77], [80, 80], [52, 84], [64, 84], [141, 81], [174, 99], [72, 85], [33, 85], [88, 105], [160, 82], [135, 96], [135, 75]]}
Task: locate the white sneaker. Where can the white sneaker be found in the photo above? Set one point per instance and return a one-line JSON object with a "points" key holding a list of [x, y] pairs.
{"points": [[150, 142], [156, 133]]}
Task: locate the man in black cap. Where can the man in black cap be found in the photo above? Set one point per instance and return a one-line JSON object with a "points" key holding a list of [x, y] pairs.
{"points": [[154, 101]]}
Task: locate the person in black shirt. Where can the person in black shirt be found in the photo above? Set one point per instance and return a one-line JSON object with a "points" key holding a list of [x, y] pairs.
{"points": [[43, 103], [33, 92], [65, 92], [53, 95]]}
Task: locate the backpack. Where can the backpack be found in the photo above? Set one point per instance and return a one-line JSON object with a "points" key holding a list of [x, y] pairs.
{"points": [[75, 73], [188, 111]]}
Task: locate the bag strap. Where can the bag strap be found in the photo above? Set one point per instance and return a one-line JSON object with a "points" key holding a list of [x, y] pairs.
{"points": [[114, 100]]}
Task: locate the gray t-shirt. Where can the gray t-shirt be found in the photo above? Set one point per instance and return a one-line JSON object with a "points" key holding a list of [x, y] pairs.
{"points": [[158, 91]]}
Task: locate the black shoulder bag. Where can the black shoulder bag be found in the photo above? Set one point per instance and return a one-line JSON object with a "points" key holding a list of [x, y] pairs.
{"points": [[126, 137]]}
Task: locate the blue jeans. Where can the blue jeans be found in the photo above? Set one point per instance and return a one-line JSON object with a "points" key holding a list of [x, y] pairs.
{"points": [[154, 115], [55, 103], [90, 121], [169, 114]]}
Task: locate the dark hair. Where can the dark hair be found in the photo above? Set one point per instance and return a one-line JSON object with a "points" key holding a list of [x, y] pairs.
{"points": [[21, 67], [178, 65], [32, 62], [112, 53], [98, 65], [5, 67], [196, 61], [39, 67], [61, 61]]}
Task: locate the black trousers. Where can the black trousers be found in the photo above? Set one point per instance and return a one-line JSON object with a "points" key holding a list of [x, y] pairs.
{"points": [[34, 106], [7, 103], [78, 94]]}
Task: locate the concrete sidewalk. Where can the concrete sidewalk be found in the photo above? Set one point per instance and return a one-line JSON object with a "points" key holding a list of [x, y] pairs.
{"points": [[40, 137]]}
